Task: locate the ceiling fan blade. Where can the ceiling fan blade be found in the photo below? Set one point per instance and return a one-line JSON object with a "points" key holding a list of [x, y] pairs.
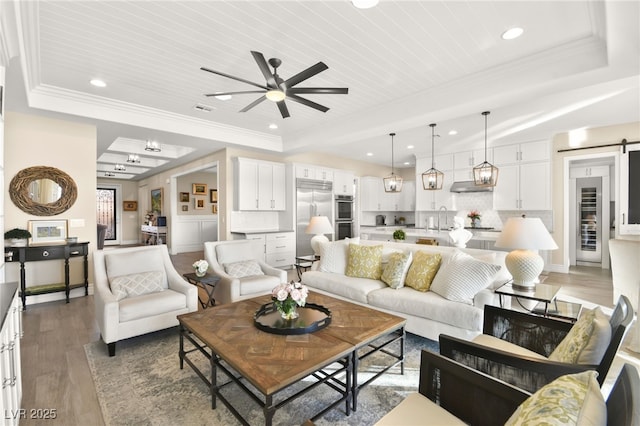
{"points": [[307, 102], [308, 73], [234, 93], [234, 78], [284, 111], [252, 104], [264, 68], [320, 90]]}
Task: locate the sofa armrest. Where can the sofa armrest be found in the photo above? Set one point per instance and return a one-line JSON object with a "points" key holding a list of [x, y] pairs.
{"points": [[521, 371], [107, 308], [274, 272], [228, 288]]}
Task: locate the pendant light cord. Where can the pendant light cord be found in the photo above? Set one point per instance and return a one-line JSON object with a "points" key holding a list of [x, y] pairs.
{"points": [[392, 135], [433, 135], [485, 134]]}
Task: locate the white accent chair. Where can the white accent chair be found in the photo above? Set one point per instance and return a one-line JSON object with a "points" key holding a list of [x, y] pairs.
{"points": [[625, 271], [231, 289], [145, 309]]}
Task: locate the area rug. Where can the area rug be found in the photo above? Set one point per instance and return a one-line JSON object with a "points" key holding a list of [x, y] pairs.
{"points": [[143, 385]]}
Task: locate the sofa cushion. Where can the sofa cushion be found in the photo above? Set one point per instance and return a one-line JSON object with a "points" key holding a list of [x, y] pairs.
{"points": [[237, 251], [148, 305], [462, 277], [355, 289], [245, 268], [364, 261], [258, 284], [587, 340], [573, 399], [422, 270], [417, 409], [502, 345], [333, 256], [137, 284], [428, 305], [134, 261], [396, 268]]}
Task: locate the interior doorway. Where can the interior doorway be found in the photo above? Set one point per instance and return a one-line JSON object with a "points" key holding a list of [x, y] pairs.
{"points": [[109, 212]]}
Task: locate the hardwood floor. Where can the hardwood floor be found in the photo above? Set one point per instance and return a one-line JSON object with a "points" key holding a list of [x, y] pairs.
{"points": [[55, 372]]}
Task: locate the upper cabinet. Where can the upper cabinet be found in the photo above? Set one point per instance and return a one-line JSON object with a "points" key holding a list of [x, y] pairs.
{"points": [[432, 200], [470, 159], [343, 182], [521, 153], [260, 185], [374, 198], [628, 221], [305, 171]]}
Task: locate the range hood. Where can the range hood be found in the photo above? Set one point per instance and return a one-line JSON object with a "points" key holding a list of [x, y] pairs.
{"points": [[469, 186]]}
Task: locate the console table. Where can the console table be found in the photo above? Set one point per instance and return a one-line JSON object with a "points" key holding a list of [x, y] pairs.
{"points": [[153, 235], [50, 252]]}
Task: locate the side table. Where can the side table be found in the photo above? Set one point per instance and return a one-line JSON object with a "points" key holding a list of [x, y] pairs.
{"points": [[207, 283], [304, 263], [548, 305]]}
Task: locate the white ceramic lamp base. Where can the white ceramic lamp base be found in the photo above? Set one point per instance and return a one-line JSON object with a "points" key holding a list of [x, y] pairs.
{"points": [[525, 266], [315, 242]]}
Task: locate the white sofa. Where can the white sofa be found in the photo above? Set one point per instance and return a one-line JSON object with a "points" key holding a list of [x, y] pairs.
{"points": [[428, 314], [231, 288], [137, 291]]}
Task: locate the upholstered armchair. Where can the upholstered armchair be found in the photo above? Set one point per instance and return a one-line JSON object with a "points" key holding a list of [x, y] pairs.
{"points": [[243, 274], [450, 393], [625, 272], [530, 351], [137, 291]]}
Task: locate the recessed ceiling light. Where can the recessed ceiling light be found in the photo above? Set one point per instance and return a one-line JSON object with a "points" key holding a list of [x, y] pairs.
{"points": [[409, 146], [406, 163], [222, 97], [273, 126], [369, 154], [512, 33], [98, 83], [364, 4], [453, 132]]}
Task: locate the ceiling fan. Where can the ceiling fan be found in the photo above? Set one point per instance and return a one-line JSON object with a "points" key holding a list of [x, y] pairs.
{"points": [[277, 90]]}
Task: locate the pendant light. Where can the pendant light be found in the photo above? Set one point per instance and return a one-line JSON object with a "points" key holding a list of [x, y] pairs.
{"points": [[485, 173], [392, 183], [432, 179]]}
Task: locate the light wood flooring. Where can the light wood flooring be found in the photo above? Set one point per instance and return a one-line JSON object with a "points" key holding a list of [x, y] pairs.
{"points": [[55, 372]]}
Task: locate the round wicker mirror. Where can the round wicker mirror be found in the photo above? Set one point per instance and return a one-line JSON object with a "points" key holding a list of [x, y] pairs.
{"points": [[58, 185]]}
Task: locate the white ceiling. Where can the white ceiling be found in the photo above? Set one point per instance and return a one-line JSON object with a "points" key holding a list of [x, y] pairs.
{"points": [[406, 64]]}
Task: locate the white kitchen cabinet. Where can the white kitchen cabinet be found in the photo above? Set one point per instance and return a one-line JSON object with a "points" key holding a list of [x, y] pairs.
{"points": [[369, 193], [10, 365], [470, 159], [374, 198], [408, 196], [432, 200], [260, 185], [306, 171], [462, 175], [628, 220], [343, 182], [590, 171], [523, 187], [277, 249], [521, 153]]}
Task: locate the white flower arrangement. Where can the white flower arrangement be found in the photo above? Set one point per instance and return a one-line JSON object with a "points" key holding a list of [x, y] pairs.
{"points": [[201, 266], [287, 295]]}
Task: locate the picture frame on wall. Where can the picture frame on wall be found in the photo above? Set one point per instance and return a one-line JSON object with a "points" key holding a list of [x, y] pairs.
{"points": [[184, 197], [129, 206], [213, 195], [185, 208], [156, 201], [214, 209], [45, 232], [199, 189], [198, 203]]}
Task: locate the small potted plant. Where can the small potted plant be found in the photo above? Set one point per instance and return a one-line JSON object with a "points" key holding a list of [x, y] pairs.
{"points": [[17, 237], [399, 235], [474, 215]]}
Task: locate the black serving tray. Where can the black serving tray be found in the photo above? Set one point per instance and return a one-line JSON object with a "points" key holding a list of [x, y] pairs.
{"points": [[311, 318]]}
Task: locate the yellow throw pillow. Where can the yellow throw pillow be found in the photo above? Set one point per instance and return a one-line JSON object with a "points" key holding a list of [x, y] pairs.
{"points": [[364, 261], [396, 269], [422, 270]]}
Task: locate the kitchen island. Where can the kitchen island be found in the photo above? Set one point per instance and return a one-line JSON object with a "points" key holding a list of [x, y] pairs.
{"points": [[482, 239]]}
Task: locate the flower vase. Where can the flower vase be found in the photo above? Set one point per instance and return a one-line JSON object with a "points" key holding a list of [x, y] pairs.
{"points": [[287, 309], [475, 223], [200, 273]]}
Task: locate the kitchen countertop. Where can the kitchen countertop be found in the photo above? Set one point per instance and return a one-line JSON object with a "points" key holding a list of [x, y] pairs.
{"points": [[489, 235], [261, 231]]}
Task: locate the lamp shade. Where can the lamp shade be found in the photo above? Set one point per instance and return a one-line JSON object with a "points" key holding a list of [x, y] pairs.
{"points": [[319, 225], [528, 233]]}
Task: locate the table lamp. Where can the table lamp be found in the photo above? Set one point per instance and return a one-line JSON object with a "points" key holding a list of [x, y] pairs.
{"points": [[319, 225], [525, 236]]}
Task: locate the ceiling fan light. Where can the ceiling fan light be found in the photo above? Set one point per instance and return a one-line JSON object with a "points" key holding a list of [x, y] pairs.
{"points": [[275, 95]]}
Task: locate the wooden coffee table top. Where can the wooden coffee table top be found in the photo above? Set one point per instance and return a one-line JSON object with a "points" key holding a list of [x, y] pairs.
{"points": [[271, 362]]}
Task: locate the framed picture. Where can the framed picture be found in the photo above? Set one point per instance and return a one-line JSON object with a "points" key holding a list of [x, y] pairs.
{"points": [[184, 197], [214, 209], [198, 203], [130, 206], [199, 188], [185, 208], [156, 201], [47, 232], [213, 195]]}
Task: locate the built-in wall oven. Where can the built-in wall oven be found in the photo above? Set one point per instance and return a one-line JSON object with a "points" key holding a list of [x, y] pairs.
{"points": [[344, 217]]}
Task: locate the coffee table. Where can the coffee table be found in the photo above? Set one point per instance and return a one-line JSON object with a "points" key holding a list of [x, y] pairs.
{"points": [[271, 363]]}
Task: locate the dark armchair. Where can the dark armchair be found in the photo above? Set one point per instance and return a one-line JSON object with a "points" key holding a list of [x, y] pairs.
{"points": [[524, 343]]}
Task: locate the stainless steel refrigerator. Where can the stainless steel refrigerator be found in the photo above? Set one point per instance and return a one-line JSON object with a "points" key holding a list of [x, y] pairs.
{"points": [[313, 198]]}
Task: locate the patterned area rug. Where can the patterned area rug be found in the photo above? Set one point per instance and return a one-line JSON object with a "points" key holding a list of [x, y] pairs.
{"points": [[143, 385]]}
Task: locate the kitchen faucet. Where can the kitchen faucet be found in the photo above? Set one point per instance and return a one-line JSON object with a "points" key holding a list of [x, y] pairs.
{"points": [[446, 220]]}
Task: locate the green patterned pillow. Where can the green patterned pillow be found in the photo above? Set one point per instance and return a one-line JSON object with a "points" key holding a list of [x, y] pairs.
{"points": [[396, 269], [364, 261], [574, 399], [569, 349], [422, 270]]}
